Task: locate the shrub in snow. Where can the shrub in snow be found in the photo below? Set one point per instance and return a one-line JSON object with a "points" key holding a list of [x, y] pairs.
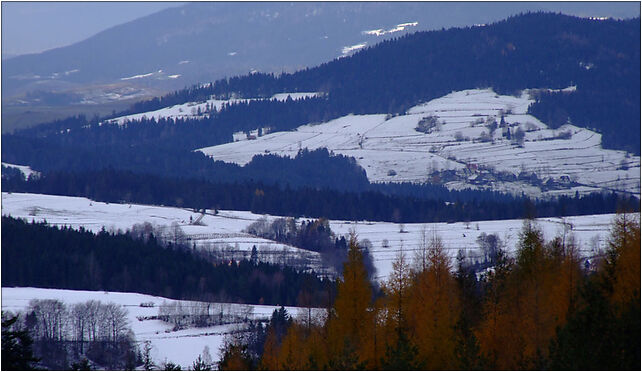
{"points": [[530, 127], [565, 135], [518, 137], [484, 137], [428, 124], [491, 124]]}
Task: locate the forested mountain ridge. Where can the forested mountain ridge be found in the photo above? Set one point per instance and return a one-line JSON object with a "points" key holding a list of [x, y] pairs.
{"points": [[535, 50], [216, 39]]}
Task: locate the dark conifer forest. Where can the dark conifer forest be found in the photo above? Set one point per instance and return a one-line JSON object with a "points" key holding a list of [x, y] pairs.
{"points": [[393, 203], [37, 255]]}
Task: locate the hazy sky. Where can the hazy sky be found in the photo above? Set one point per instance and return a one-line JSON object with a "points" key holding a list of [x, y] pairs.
{"points": [[30, 27]]}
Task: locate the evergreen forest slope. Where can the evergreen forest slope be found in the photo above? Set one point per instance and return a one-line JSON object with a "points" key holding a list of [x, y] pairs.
{"points": [[535, 50]]}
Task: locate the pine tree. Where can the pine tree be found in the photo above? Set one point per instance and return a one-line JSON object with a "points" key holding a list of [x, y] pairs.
{"points": [[603, 331], [17, 353], [235, 357], [493, 330], [397, 290]]}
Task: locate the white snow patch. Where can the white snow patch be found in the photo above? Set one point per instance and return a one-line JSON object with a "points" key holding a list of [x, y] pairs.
{"points": [[397, 28], [138, 76], [223, 231], [377, 32], [352, 48], [590, 233], [295, 96], [200, 109], [26, 170]]}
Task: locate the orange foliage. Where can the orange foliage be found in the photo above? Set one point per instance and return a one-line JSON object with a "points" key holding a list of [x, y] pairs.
{"points": [[435, 310], [522, 312], [625, 244], [292, 355], [270, 358]]}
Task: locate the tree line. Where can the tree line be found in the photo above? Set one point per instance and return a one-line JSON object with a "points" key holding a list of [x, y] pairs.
{"points": [[539, 309], [37, 255], [314, 235], [76, 336], [393, 203]]}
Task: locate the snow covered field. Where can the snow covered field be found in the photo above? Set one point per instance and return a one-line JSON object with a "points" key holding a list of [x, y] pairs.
{"points": [[182, 347], [198, 109], [565, 160], [226, 228], [590, 233]]}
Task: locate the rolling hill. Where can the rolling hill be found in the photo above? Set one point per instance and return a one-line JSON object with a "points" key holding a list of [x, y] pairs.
{"points": [[460, 151]]}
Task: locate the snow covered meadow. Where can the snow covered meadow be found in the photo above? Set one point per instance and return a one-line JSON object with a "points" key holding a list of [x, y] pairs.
{"points": [[181, 346], [390, 149], [225, 229]]}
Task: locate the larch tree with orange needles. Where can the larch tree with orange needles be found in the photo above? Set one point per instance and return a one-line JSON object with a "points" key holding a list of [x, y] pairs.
{"points": [[435, 309], [350, 326]]}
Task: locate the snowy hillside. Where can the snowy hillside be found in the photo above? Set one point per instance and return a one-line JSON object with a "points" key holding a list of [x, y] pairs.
{"points": [[199, 109], [458, 148], [226, 228], [181, 347]]}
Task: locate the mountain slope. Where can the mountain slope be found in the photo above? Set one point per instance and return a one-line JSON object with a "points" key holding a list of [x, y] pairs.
{"points": [[600, 57]]}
